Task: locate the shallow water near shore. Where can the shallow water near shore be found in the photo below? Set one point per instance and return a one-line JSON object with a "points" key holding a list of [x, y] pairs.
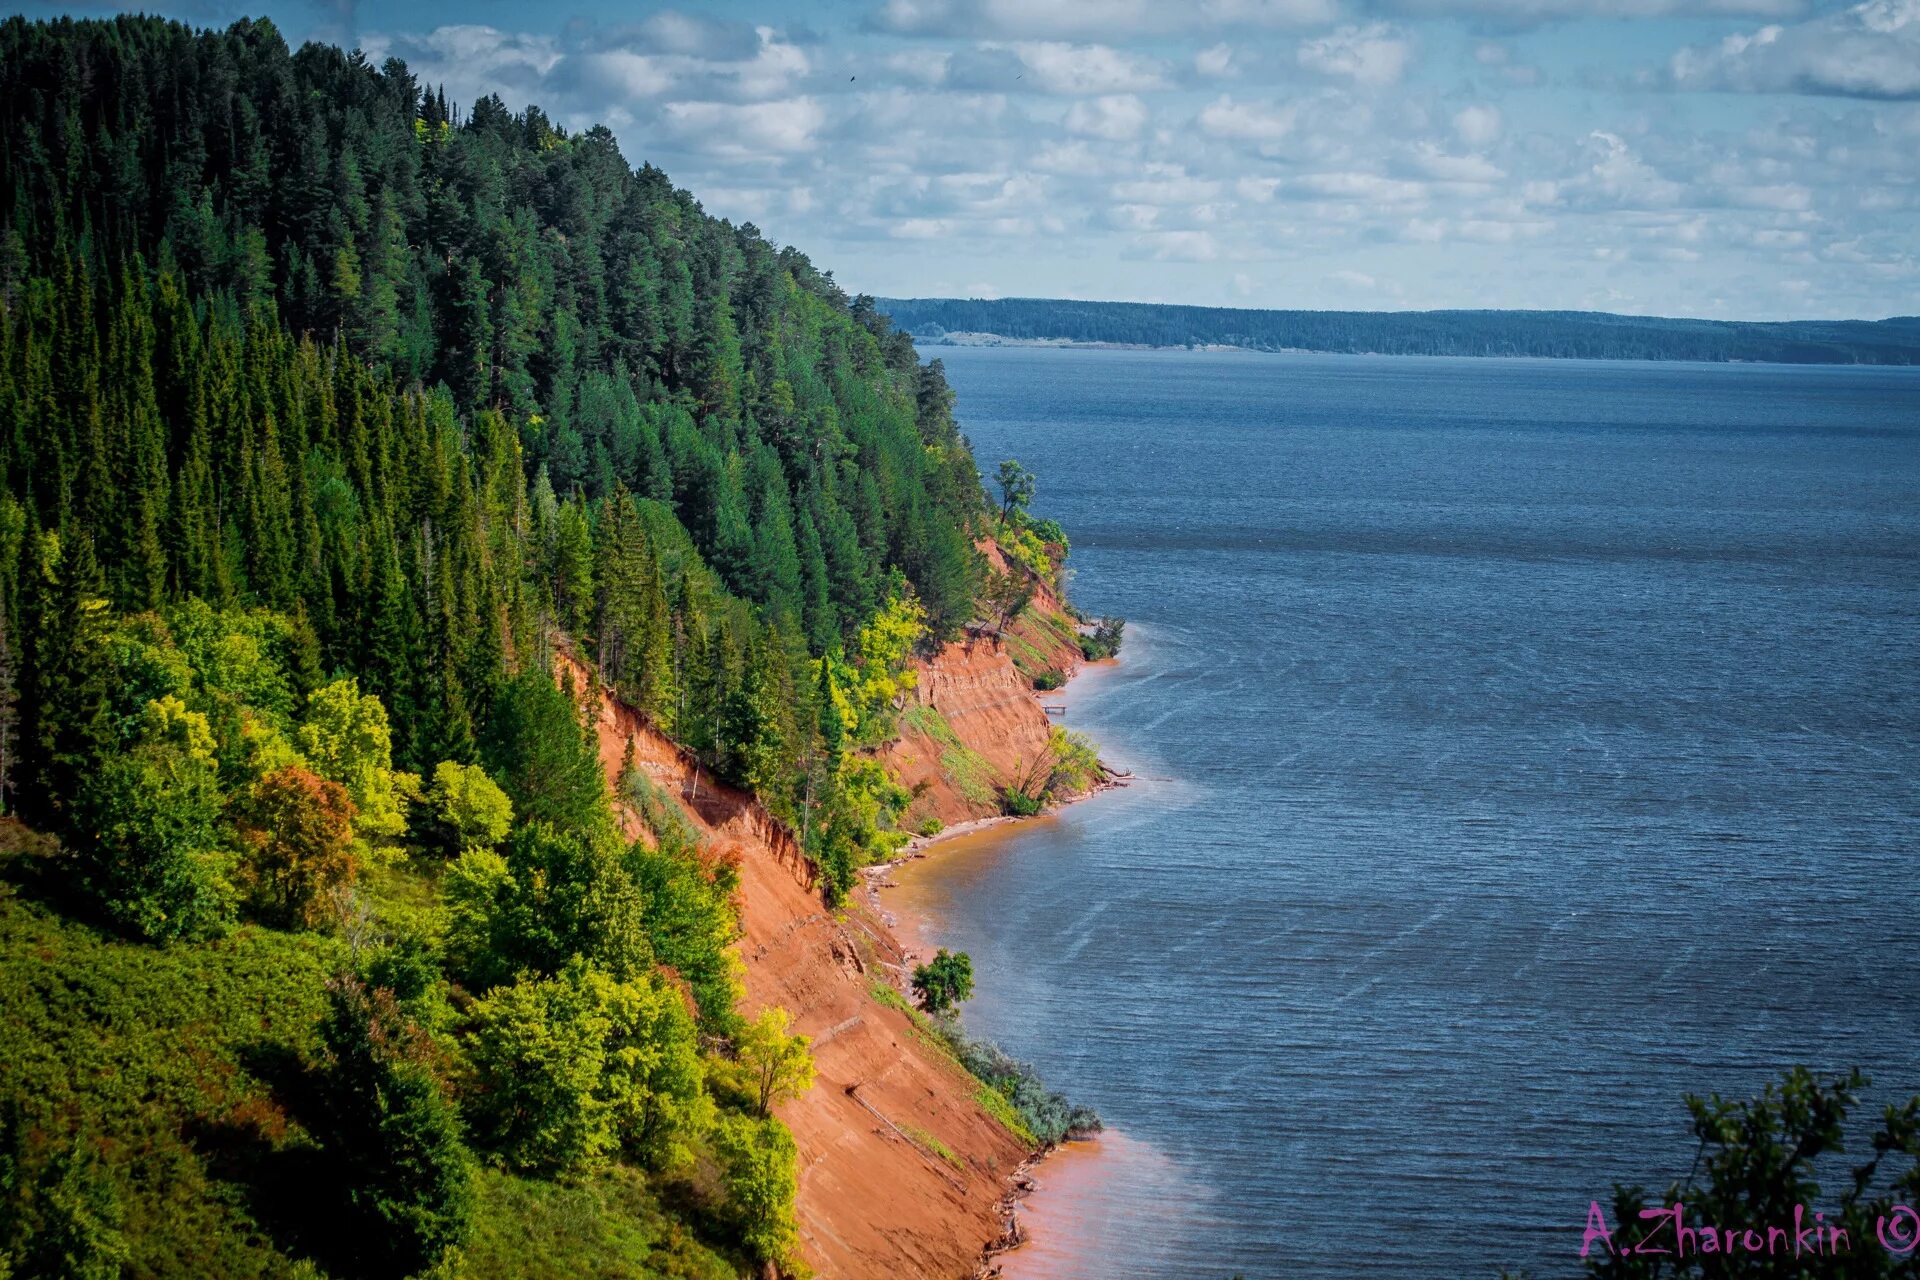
{"points": [[1519, 745]]}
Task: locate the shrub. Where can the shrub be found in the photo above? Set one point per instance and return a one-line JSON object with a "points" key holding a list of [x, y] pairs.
{"points": [[775, 1065], [945, 981], [1047, 1115], [467, 810], [553, 896], [759, 1164], [345, 738], [1104, 640], [298, 831], [573, 1067], [148, 842], [392, 1134]]}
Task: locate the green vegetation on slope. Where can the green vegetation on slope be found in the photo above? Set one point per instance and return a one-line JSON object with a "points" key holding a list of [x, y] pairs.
{"points": [[326, 414]]}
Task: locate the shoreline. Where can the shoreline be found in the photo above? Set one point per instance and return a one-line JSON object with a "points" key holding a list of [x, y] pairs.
{"points": [[910, 929]]}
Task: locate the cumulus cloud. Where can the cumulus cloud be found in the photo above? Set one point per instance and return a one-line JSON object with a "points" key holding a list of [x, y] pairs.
{"points": [[1016, 19], [1527, 13], [1059, 67], [1871, 50], [1478, 125], [1372, 56], [1246, 121], [1115, 117], [1045, 147], [746, 129]]}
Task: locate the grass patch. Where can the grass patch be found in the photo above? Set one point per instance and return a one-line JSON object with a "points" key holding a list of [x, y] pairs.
{"points": [[968, 770], [995, 1104], [609, 1226], [932, 1144]]}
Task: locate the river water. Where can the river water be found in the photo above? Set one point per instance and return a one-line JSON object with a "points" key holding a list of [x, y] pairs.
{"points": [[1520, 745]]}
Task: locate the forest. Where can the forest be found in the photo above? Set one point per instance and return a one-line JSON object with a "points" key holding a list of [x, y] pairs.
{"points": [[1584, 335], [331, 416]]}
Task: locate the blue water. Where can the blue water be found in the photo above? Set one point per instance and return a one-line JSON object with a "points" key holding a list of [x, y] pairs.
{"points": [[1521, 746]]}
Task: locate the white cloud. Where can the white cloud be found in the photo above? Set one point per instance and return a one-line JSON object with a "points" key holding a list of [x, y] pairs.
{"points": [[1112, 19], [1115, 117], [1372, 56], [1178, 246], [746, 129], [1059, 67], [1248, 122], [1358, 186], [1217, 62], [1445, 167], [1478, 125], [1871, 50], [1533, 12]]}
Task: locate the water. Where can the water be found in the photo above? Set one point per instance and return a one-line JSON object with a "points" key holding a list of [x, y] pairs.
{"points": [[1522, 745]]}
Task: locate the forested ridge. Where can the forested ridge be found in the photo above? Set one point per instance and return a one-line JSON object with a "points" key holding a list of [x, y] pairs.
{"points": [[328, 411], [1588, 335]]}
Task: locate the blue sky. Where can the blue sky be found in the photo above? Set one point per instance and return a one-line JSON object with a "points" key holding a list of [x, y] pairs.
{"points": [[1729, 158]]}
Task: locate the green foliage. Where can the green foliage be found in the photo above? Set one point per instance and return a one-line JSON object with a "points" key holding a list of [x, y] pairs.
{"points": [[148, 844], [345, 739], [1076, 763], [774, 1065], [392, 1133], [1580, 335], [945, 981], [466, 809], [1016, 488], [1104, 640], [1757, 1165], [572, 1068], [74, 1227], [691, 921], [542, 755], [1015, 803], [548, 897], [759, 1162], [1048, 1117], [160, 1064], [608, 1225]]}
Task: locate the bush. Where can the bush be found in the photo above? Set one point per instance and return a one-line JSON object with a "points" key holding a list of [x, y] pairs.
{"points": [[1104, 640], [552, 896], [149, 847], [759, 1164], [345, 738], [573, 1067], [1047, 1115], [466, 809], [945, 981], [1015, 803], [392, 1134], [298, 831], [773, 1065]]}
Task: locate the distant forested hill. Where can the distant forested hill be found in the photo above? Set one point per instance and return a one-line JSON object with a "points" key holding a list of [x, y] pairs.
{"points": [[1589, 335]]}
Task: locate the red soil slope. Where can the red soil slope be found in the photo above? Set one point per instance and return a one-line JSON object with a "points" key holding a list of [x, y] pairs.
{"points": [[877, 1196]]}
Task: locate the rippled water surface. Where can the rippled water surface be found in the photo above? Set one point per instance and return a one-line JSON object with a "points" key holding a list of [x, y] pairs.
{"points": [[1521, 745]]}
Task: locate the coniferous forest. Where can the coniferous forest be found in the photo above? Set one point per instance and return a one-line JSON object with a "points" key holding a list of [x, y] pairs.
{"points": [[1547, 335], [331, 413]]}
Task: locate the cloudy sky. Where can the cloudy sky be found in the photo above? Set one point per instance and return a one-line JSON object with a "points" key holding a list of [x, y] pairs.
{"points": [[1732, 158]]}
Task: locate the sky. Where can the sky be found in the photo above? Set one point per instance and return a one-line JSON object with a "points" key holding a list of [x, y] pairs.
{"points": [[1749, 159]]}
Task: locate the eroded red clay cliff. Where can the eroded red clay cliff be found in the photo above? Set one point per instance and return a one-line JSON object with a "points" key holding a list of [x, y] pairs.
{"points": [[877, 1199]]}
